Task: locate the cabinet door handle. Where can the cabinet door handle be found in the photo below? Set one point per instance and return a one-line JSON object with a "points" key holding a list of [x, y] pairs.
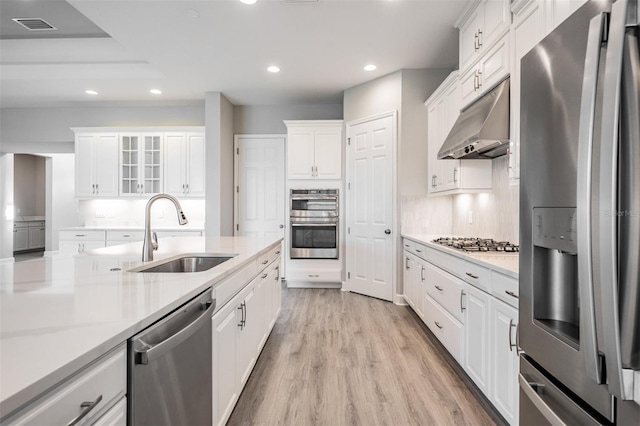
{"points": [[438, 287], [97, 189], [479, 39], [183, 188], [479, 80], [469, 274], [406, 263], [422, 274], [312, 172], [187, 188], [86, 409], [475, 42], [263, 276], [243, 318], [438, 325], [93, 188], [462, 294], [511, 325], [278, 274], [512, 294], [455, 175]]}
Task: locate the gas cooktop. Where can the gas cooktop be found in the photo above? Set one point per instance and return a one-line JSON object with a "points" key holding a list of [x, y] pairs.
{"points": [[478, 245]]}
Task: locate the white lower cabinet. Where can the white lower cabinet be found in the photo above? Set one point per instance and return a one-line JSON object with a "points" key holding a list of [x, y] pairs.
{"points": [[239, 334], [476, 336], [20, 238], [505, 363], [472, 311], [95, 394]]}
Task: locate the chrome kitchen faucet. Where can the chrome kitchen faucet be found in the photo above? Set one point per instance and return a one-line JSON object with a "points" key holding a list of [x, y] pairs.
{"points": [[150, 239]]}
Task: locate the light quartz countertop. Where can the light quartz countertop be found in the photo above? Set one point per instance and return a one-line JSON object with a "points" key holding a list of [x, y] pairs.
{"points": [[59, 313], [132, 228], [505, 263]]}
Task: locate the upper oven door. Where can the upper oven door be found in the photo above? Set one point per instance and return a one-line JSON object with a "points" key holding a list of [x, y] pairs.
{"points": [[314, 205]]}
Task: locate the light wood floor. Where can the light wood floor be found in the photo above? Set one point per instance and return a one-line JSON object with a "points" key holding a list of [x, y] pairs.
{"points": [[338, 358]]}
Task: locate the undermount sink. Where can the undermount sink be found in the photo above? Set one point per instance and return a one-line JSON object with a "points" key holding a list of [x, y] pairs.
{"points": [[190, 263]]}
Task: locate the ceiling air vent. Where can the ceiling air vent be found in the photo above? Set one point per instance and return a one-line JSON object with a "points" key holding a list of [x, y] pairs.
{"points": [[299, 1], [34, 24]]}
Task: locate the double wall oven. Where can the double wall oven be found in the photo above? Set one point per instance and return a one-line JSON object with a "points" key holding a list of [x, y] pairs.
{"points": [[314, 217]]}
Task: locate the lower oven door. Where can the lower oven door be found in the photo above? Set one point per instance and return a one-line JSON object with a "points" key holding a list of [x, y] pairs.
{"points": [[314, 239]]}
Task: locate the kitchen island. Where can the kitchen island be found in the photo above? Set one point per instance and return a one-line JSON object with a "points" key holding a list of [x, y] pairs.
{"points": [[58, 314]]}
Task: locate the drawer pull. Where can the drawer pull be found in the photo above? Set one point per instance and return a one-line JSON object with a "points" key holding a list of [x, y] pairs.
{"points": [[438, 325], [469, 274], [86, 409], [512, 294], [81, 235], [419, 251], [438, 288], [126, 235], [263, 276], [278, 252], [406, 245], [264, 262]]}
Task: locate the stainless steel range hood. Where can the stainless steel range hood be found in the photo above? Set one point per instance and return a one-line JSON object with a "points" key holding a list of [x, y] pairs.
{"points": [[482, 129]]}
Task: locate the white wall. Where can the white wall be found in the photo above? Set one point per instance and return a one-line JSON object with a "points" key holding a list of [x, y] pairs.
{"points": [[61, 207], [30, 130], [374, 97], [268, 119], [219, 172], [6, 199]]}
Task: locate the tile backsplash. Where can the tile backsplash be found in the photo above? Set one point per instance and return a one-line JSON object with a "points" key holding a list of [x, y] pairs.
{"points": [[130, 213], [493, 215]]}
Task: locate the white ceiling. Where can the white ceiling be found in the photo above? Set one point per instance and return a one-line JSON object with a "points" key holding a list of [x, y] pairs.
{"points": [[321, 48]]}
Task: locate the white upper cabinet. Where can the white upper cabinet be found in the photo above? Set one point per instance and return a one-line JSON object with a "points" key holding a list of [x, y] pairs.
{"points": [[140, 163], [451, 176], [184, 172], [314, 149], [485, 74], [481, 24], [96, 164]]}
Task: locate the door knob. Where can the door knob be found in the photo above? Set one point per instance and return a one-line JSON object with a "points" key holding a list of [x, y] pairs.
{"points": [[387, 231], [281, 226]]}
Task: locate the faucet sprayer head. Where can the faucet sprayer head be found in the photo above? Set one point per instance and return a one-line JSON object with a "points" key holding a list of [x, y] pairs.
{"points": [[182, 219]]}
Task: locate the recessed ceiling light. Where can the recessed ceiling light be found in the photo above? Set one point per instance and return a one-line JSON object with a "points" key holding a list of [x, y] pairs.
{"points": [[369, 67], [90, 92], [156, 91], [273, 68], [248, 1]]}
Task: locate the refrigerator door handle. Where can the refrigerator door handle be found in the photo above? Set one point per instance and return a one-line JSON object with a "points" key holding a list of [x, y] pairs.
{"points": [[588, 340], [620, 381]]}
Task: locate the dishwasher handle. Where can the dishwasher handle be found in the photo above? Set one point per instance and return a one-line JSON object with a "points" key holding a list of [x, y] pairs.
{"points": [[146, 356]]}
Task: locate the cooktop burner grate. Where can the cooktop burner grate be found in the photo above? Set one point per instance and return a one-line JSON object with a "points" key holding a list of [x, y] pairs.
{"points": [[478, 244]]}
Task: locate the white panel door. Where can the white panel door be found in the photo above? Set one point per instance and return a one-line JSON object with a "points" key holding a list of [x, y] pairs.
{"points": [[260, 197], [370, 208]]}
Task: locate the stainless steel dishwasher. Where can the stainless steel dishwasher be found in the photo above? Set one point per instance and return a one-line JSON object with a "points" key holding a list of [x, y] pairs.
{"points": [[169, 377]]}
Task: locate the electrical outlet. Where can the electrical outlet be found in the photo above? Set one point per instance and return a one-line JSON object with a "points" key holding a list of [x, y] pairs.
{"points": [[470, 216]]}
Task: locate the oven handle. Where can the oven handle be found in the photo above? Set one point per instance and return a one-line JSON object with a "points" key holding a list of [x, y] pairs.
{"points": [[315, 197], [314, 223]]}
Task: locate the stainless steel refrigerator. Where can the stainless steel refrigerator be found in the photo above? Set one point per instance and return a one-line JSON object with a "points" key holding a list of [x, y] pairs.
{"points": [[580, 220]]}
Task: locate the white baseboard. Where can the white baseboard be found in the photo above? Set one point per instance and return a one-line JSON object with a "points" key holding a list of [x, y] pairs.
{"points": [[7, 260], [399, 299], [309, 284]]}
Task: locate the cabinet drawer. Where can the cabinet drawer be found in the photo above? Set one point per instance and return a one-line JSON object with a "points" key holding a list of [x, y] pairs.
{"points": [[445, 289], [125, 236], [36, 224], [446, 261], [82, 235], [105, 380], [315, 275], [266, 258], [477, 276], [415, 248], [232, 285], [505, 288], [446, 328]]}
